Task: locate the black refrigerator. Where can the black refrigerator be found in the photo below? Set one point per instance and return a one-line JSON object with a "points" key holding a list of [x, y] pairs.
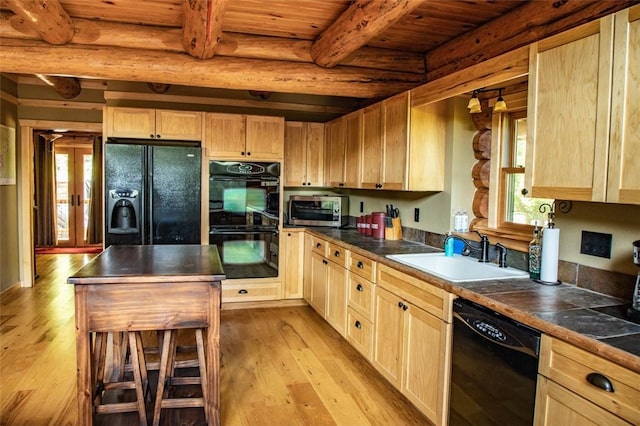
{"points": [[152, 192]]}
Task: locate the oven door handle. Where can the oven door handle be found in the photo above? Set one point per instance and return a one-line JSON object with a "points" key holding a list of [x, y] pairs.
{"points": [[245, 232]]}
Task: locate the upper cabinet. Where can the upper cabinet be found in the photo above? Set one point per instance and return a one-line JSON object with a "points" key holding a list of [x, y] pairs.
{"points": [[236, 136], [343, 144], [143, 123], [304, 154], [582, 114]]}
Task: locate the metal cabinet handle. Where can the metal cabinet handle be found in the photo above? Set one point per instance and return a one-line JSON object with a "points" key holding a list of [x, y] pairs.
{"points": [[318, 245], [325, 261], [78, 198], [400, 304], [243, 291], [248, 153], [336, 253], [359, 287], [152, 136], [242, 153], [71, 200], [600, 381], [358, 324], [158, 136], [405, 307], [360, 265]]}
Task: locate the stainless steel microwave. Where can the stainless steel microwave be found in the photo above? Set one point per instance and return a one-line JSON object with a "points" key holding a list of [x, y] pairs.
{"points": [[319, 210]]}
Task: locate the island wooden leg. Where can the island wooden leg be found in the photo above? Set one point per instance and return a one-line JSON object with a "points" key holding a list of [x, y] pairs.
{"points": [[213, 357], [83, 354]]}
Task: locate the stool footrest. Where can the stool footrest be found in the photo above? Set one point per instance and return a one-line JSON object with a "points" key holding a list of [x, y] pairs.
{"points": [[182, 402], [119, 385], [185, 380], [118, 407]]}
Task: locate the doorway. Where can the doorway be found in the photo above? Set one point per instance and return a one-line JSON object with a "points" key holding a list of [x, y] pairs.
{"points": [[73, 188], [67, 179]]}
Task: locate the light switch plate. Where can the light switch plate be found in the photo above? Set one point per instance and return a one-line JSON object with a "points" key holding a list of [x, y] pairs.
{"points": [[595, 244]]}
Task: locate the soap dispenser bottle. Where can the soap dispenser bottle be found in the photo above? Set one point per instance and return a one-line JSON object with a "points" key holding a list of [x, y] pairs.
{"points": [[449, 245], [535, 254]]}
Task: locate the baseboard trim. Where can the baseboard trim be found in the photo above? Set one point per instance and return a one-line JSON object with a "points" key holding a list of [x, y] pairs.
{"points": [[264, 304]]}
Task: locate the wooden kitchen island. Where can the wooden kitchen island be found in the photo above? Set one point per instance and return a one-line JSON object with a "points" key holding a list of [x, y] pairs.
{"points": [[141, 288]]}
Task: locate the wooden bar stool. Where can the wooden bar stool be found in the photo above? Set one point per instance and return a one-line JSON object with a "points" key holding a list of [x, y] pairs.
{"points": [[129, 350], [166, 375]]}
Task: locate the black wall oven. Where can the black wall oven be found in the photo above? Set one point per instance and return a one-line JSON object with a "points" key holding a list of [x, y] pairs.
{"points": [[244, 212]]}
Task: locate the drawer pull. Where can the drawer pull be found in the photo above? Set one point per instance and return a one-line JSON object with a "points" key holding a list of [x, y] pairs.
{"points": [[318, 245], [337, 253], [357, 324], [359, 287], [325, 261], [360, 265], [400, 304], [243, 291], [600, 381]]}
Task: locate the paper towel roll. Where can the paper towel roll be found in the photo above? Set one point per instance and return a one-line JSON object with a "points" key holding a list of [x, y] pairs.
{"points": [[550, 251]]}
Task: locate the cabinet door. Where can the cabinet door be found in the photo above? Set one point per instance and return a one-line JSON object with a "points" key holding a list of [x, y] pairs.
{"points": [[624, 169], [335, 150], [179, 125], [337, 297], [426, 362], [568, 113], [265, 138], [292, 248], [396, 137], [130, 122], [387, 340], [353, 145], [318, 277], [315, 154], [555, 405], [224, 135], [295, 154], [371, 152]]}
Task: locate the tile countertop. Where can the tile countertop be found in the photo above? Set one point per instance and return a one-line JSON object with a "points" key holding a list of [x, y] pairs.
{"points": [[590, 320]]}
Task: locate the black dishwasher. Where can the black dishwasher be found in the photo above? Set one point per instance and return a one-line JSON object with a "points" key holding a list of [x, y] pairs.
{"points": [[493, 368]]}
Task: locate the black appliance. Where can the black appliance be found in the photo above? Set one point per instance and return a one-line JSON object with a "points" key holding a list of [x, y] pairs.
{"points": [[152, 192], [494, 368], [244, 217]]}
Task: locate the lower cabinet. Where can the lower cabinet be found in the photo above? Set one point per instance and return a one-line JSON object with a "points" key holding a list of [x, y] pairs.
{"points": [[336, 313], [318, 283], [291, 263], [412, 346], [576, 387]]}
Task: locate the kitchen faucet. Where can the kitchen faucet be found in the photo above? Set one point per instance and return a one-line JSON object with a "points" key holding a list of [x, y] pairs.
{"points": [[483, 248]]}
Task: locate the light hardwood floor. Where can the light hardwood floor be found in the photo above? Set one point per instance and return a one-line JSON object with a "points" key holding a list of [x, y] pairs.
{"points": [[280, 366]]}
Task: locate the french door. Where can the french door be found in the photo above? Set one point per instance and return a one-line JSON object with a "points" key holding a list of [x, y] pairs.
{"points": [[73, 184]]}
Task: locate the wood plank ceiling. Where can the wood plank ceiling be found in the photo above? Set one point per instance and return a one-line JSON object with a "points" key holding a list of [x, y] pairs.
{"points": [[364, 49]]}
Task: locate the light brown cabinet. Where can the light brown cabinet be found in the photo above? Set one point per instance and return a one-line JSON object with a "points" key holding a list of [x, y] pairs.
{"points": [[244, 137], [303, 154], [412, 340], [292, 263], [576, 387], [583, 101], [140, 123], [386, 136], [343, 144]]}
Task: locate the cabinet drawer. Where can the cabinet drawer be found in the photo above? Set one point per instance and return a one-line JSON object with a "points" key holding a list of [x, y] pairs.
{"points": [[236, 292], [427, 297], [361, 295], [571, 367], [363, 266], [337, 254], [360, 333], [320, 246]]}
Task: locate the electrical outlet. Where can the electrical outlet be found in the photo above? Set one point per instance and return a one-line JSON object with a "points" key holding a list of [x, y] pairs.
{"points": [[416, 214], [595, 244], [361, 206]]}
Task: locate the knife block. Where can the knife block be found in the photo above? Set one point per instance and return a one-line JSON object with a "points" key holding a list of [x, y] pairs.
{"points": [[395, 231]]}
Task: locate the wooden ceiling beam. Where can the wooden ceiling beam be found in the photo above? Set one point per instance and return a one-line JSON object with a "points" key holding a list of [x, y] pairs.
{"points": [[112, 34], [202, 26], [28, 56], [47, 17], [527, 24], [361, 22]]}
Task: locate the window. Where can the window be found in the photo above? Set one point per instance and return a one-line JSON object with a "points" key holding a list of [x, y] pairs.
{"points": [[516, 212]]}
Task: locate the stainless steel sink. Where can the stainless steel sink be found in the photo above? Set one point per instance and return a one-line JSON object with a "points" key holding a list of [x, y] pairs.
{"points": [[457, 268]]}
